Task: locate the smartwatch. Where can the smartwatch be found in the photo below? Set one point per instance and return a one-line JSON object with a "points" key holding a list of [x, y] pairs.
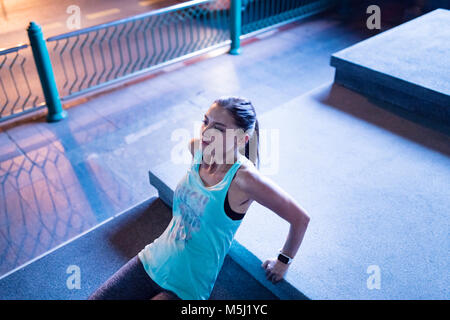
{"points": [[284, 258]]}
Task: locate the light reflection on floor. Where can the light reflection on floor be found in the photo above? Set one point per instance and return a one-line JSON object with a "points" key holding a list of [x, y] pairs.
{"points": [[60, 179], [47, 198]]}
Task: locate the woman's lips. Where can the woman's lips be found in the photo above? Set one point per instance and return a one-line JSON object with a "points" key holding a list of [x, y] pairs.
{"points": [[204, 143]]}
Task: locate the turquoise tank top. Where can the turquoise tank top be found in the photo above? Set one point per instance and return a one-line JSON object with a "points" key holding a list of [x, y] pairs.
{"points": [[189, 254]]}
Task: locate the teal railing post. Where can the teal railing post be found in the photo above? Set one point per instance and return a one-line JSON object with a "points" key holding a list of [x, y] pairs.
{"points": [[45, 72], [235, 26]]}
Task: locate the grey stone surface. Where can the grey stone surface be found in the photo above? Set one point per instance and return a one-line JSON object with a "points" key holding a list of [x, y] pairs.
{"points": [[407, 65], [377, 189]]}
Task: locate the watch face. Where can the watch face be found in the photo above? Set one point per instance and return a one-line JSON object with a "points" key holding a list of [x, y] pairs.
{"points": [[283, 259]]}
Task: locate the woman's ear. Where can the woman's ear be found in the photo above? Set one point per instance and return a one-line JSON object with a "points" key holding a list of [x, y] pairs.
{"points": [[244, 139]]}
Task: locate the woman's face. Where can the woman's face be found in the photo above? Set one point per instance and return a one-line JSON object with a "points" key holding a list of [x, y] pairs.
{"points": [[219, 134]]}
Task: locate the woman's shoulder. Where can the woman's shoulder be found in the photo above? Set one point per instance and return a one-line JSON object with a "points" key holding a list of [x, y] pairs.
{"points": [[246, 174]]}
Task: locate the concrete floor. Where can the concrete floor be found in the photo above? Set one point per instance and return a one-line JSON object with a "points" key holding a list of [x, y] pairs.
{"points": [[60, 179], [377, 189]]}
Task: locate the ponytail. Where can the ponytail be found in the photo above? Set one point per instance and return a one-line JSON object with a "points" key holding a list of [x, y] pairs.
{"points": [[252, 146]]}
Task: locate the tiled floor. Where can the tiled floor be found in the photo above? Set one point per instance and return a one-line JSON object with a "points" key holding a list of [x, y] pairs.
{"points": [[58, 180]]}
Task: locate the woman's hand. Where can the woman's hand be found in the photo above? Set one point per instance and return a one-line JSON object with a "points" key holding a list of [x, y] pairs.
{"points": [[275, 269]]}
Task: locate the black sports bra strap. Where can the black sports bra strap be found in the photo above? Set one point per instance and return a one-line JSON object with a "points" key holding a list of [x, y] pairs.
{"points": [[230, 213]]}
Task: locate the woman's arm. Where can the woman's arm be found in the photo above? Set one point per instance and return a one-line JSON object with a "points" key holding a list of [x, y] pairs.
{"points": [[267, 193]]}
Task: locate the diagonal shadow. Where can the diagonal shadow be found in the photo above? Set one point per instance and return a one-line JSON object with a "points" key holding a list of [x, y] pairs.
{"points": [[427, 132]]}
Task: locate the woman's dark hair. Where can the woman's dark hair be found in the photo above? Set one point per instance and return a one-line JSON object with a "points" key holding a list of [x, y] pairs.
{"points": [[244, 115]]}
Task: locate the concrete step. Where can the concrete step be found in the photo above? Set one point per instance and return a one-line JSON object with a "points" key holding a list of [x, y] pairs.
{"points": [[103, 250], [406, 66]]}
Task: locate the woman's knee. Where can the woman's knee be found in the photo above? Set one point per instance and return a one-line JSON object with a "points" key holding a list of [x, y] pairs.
{"points": [[166, 295]]}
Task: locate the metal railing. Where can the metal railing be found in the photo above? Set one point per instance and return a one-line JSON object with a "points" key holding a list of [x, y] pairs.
{"points": [[88, 59], [258, 15], [20, 89], [85, 60]]}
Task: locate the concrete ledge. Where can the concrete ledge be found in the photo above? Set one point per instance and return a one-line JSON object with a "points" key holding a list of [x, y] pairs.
{"points": [[406, 66]]}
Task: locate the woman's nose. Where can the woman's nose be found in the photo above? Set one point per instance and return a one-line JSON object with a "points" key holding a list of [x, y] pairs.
{"points": [[207, 130]]}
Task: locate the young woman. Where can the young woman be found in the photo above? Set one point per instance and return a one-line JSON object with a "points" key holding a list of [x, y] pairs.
{"points": [[208, 206]]}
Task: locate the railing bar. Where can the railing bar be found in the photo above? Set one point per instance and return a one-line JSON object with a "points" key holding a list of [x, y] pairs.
{"points": [[154, 55], [198, 28], [6, 96], [93, 59], [73, 65], [167, 52], [63, 64], [136, 38], [149, 56], [177, 41], [83, 61], [202, 30], [36, 98], [280, 7], [129, 48], [206, 29], [161, 41], [254, 13], [209, 28], [102, 54], [13, 49], [112, 54], [189, 47], [218, 25], [27, 83], [183, 41], [14, 80], [144, 35], [14, 115], [119, 45]]}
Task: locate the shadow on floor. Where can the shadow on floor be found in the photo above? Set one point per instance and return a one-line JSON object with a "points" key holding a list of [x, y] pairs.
{"points": [[396, 120]]}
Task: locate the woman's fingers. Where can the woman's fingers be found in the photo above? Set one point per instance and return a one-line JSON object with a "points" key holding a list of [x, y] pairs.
{"points": [[274, 277], [270, 274]]}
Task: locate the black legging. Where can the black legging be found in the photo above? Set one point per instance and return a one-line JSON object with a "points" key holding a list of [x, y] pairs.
{"points": [[131, 282]]}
